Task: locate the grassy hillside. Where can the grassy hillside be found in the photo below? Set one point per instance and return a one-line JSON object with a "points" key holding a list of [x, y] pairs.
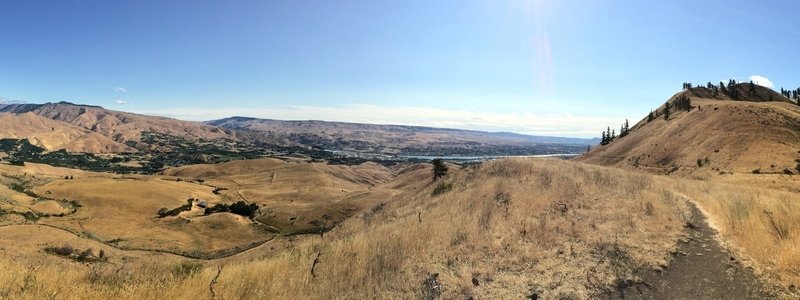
{"points": [[517, 227], [710, 138], [54, 135], [119, 126], [738, 153]]}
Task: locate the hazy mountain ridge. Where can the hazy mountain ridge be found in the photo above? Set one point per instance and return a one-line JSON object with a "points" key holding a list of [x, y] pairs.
{"points": [[385, 138], [110, 131]]}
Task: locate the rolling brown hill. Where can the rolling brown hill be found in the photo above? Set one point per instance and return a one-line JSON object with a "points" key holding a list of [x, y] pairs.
{"points": [[739, 131], [55, 135], [118, 126]]}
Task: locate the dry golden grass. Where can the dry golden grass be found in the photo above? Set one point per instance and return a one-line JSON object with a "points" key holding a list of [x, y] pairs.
{"points": [[519, 226], [124, 211], [121, 210], [296, 194], [726, 136]]}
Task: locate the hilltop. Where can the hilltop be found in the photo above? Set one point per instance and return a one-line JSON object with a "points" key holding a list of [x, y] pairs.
{"points": [[747, 128]]}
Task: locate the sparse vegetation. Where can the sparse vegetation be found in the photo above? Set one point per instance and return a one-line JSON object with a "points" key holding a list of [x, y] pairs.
{"points": [[187, 269], [65, 250], [165, 212], [68, 251], [439, 168], [240, 208], [441, 188]]}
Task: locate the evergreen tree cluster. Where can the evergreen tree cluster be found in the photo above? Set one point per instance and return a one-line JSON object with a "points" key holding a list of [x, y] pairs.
{"points": [[683, 103], [792, 94], [733, 93], [610, 135], [711, 86], [721, 88], [623, 129]]}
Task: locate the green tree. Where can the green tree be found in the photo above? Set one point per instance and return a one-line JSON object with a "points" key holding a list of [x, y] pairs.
{"points": [[627, 127], [722, 88], [439, 168], [604, 139]]}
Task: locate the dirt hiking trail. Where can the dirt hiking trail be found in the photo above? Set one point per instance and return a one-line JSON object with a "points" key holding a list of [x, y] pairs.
{"points": [[700, 269]]}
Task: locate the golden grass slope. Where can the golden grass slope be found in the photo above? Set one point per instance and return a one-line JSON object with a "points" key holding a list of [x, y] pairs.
{"points": [[298, 196], [238, 167], [55, 135], [518, 226], [123, 212], [116, 125], [715, 137], [746, 155]]}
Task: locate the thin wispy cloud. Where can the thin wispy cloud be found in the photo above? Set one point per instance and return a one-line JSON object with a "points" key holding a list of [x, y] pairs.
{"points": [[120, 90], [519, 122], [120, 102], [4, 100], [762, 81]]}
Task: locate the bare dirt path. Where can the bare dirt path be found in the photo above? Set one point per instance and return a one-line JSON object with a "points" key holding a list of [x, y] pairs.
{"points": [[701, 269]]}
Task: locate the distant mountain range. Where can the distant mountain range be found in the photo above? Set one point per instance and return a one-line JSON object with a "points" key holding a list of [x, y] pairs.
{"points": [[94, 129], [387, 138]]}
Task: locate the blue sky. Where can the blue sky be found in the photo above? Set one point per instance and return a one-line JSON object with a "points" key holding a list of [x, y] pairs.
{"points": [[544, 67]]}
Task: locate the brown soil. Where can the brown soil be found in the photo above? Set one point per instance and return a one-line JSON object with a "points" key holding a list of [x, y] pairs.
{"points": [[700, 269]]}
